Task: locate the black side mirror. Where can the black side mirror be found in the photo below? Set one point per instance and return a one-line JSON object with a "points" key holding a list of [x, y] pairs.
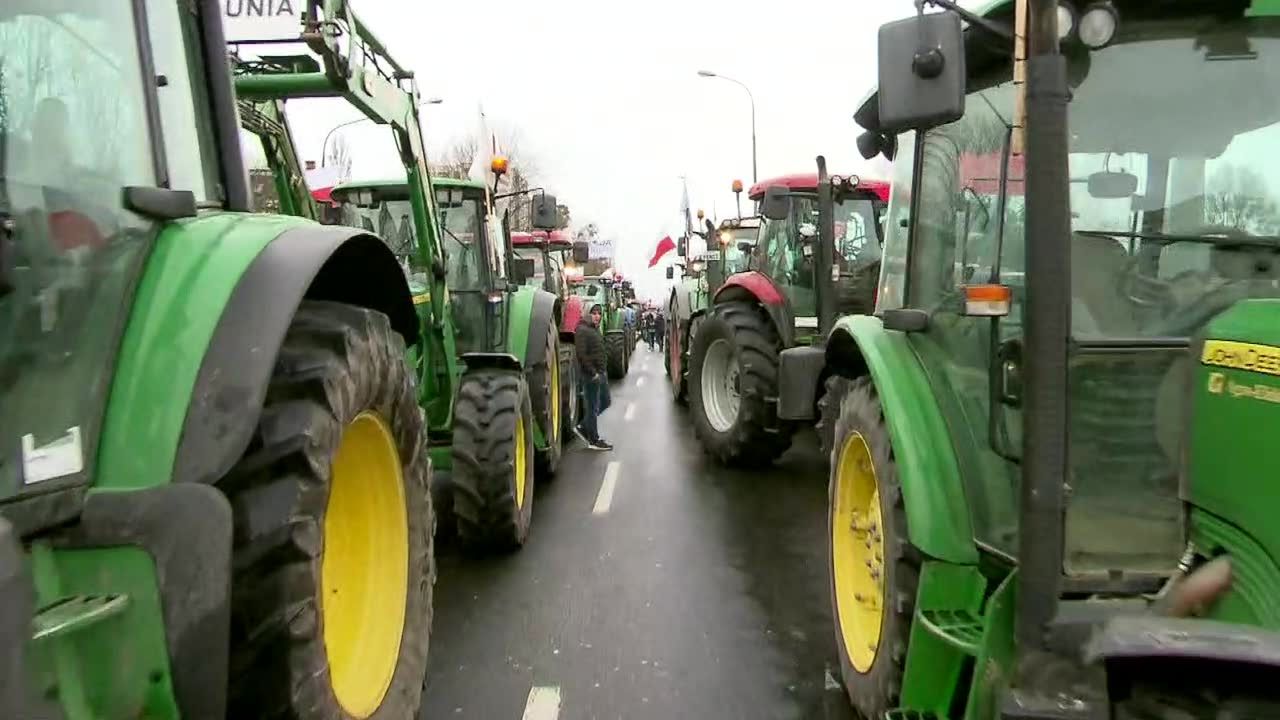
{"points": [[522, 269], [581, 252], [777, 203], [682, 247], [546, 215], [671, 272], [1112, 185], [593, 291], [922, 72]]}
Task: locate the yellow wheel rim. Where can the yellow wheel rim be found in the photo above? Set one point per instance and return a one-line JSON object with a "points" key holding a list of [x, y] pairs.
{"points": [[554, 410], [365, 569], [857, 552], [519, 464]]}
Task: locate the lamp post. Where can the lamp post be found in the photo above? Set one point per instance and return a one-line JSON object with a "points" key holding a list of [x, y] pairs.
{"points": [[739, 83], [324, 146]]}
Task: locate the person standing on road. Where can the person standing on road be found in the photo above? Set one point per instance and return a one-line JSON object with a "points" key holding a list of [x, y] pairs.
{"points": [[660, 328], [589, 344]]}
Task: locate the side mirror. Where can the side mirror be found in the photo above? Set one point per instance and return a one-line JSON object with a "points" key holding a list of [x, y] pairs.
{"points": [[593, 290], [776, 204], [1112, 185], [871, 144], [671, 272], [745, 247], [522, 269], [581, 252], [922, 72], [682, 247], [546, 215]]}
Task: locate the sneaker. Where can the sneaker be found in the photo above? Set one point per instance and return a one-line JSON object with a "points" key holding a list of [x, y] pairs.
{"points": [[582, 437], [601, 445]]}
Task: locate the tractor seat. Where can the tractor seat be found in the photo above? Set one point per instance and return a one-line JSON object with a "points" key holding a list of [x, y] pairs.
{"points": [[1099, 305]]}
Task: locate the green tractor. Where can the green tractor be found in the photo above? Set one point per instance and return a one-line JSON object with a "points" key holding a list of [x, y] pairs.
{"points": [[1049, 478], [507, 338], [619, 336], [214, 485], [772, 304]]}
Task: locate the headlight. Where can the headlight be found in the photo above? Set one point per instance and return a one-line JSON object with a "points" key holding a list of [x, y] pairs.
{"points": [[1098, 25], [1067, 20]]}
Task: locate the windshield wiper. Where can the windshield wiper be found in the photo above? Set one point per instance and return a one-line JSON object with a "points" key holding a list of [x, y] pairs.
{"points": [[1213, 238]]}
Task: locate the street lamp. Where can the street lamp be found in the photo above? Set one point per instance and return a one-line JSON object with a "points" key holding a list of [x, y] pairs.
{"points": [[739, 83], [325, 145]]}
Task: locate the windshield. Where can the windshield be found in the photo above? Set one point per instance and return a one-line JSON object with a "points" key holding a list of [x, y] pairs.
{"points": [[738, 247], [463, 242], [391, 220], [73, 134], [856, 231], [539, 270]]}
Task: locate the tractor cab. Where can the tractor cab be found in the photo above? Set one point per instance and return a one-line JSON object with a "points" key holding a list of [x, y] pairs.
{"points": [[785, 249], [1076, 334], [473, 249], [541, 259], [737, 239]]}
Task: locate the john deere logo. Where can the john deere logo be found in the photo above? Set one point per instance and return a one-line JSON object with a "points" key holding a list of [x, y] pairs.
{"points": [[1217, 381]]}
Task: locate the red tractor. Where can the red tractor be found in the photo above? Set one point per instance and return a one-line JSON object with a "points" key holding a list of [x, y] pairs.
{"points": [[550, 261], [816, 256]]}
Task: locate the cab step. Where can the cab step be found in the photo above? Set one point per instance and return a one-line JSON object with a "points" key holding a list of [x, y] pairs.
{"points": [[960, 629], [74, 613]]}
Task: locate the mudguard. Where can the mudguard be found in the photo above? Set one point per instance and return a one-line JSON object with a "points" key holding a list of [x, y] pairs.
{"points": [[757, 287], [317, 262], [542, 315], [932, 491], [211, 308]]}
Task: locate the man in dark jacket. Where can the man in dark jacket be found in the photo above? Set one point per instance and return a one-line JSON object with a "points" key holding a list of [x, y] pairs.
{"points": [[660, 328], [594, 383]]}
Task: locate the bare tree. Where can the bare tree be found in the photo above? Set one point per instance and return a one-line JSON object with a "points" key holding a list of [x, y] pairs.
{"points": [[1238, 199], [339, 156]]}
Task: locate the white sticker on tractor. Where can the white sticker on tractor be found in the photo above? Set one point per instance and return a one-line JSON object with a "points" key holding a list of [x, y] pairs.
{"points": [[806, 322], [62, 457]]}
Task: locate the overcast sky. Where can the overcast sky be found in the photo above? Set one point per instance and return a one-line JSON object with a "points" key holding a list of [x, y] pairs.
{"points": [[608, 105]]}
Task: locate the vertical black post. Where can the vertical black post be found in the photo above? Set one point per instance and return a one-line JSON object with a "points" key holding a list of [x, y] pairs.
{"points": [[1048, 324], [825, 252]]}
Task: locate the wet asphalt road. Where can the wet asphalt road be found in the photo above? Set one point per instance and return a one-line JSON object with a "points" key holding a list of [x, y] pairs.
{"points": [[698, 593]]}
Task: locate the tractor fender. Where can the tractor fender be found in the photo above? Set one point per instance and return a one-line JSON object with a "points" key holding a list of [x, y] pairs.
{"points": [[542, 316], [528, 306], [492, 361], [570, 318], [307, 261], [928, 471], [756, 287]]}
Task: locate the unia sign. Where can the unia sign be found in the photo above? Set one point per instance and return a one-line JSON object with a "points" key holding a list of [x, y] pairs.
{"points": [[262, 19]]}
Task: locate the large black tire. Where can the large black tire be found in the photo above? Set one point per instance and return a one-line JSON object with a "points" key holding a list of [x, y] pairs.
{"points": [[546, 404], [337, 362], [875, 690], [490, 512], [676, 349], [615, 355], [755, 436], [833, 392], [568, 396]]}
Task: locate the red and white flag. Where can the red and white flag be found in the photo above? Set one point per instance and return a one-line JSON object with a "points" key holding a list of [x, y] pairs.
{"points": [[665, 245]]}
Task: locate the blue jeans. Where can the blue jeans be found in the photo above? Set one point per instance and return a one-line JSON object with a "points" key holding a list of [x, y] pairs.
{"points": [[595, 400]]}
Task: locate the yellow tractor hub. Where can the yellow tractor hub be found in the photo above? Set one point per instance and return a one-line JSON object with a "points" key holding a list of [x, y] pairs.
{"points": [[518, 461], [857, 553], [365, 570]]}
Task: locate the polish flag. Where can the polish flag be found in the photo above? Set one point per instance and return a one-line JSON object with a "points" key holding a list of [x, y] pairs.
{"points": [[665, 245]]}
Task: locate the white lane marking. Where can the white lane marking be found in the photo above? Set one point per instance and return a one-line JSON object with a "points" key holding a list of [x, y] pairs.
{"points": [[543, 703], [631, 411], [605, 497], [640, 381]]}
